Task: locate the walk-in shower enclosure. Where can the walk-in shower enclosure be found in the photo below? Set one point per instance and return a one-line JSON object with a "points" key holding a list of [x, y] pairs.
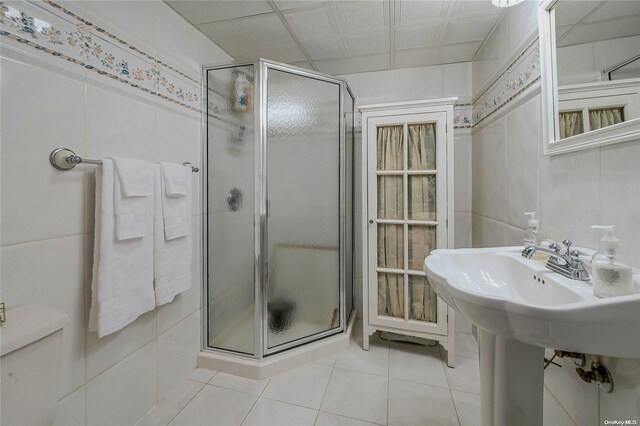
{"points": [[278, 260]]}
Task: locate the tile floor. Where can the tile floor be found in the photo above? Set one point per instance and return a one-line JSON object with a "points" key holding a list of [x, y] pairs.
{"points": [[394, 383]]}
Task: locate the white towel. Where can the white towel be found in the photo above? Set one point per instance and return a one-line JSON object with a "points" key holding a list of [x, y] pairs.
{"points": [[176, 178], [176, 200], [133, 187], [122, 284], [172, 257]]}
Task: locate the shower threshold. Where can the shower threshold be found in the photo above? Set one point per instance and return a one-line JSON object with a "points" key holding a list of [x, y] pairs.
{"points": [[280, 362]]}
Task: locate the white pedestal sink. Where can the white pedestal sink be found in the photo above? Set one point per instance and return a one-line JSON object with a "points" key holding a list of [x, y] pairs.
{"points": [[520, 308]]}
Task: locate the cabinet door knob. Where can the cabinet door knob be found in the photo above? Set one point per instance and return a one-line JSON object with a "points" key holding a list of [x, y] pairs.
{"points": [[371, 221]]}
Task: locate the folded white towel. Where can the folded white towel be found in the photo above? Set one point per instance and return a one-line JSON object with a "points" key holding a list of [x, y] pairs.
{"points": [[175, 179], [172, 257], [122, 284], [176, 202], [133, 187]]}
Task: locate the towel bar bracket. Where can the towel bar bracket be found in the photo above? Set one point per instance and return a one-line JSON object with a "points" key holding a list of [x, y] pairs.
{"points": [[65, 159]]}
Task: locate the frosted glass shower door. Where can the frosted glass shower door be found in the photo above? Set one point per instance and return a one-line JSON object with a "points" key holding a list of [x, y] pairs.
{"points": [[303, 204], [230, 290]]}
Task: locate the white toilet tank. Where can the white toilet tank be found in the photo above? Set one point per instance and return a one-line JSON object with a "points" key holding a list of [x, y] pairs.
{"points": [[31, 341]]}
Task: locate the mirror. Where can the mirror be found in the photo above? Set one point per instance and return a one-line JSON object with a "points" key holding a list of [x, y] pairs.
{"points": [[592, 50]]}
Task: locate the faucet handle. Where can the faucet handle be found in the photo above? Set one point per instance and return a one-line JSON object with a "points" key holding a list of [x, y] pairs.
{"points": [[555, 247], [567, 243]]}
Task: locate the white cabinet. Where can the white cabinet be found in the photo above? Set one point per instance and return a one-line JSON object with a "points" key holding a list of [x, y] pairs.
{"points": [[407, 199]]}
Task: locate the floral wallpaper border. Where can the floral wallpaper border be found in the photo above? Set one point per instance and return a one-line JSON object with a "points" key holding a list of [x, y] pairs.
{"points": [[42, 26], [523, 72], [462, 116]]}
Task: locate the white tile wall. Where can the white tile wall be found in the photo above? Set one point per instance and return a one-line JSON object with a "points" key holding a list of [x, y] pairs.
{"points": [[177, 349], [517, 24], [571, 192], [47, 216], [125, 392]]}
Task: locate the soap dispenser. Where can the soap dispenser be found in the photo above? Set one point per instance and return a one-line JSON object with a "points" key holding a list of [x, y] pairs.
{"points": [[531, 235], [611, 275]]}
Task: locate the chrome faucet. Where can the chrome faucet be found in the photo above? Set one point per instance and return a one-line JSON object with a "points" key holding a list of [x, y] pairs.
{"points": [[567, 264]]}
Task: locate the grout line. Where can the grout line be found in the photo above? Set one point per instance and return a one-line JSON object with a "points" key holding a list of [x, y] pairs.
{"points": [[44, 240], [188, 402], [325, 391], [256, 401], [449, 387]]}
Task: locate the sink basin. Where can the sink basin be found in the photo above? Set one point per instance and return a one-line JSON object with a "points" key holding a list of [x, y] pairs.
{"points": [[502, 292], [520, 308]]}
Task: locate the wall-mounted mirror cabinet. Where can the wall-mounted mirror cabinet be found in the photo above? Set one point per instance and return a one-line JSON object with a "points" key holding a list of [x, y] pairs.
{"points": [[590, 59]]}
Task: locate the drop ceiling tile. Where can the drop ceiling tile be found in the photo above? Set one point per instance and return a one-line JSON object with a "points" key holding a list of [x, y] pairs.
{"points": [[588, 33], [363, 16], [367, 44], [197, 12], [615, 9], [304, 64], [325, 47], [464, 8], [561, 31], [264, 27], [469, 29], [335, 66], [571, 12], [282, 50], [411, 12], [414, 58], [241, 51], [371, 63], [297, 4], [457, 52], [223, 33], [238, 8], [313, 22], [425, 35]]}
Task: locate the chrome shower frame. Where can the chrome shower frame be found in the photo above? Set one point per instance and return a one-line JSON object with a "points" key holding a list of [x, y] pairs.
{"points": [[261, 69]]}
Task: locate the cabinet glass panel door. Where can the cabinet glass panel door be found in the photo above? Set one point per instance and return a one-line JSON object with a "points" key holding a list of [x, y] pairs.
{"points": [[407, 163]]}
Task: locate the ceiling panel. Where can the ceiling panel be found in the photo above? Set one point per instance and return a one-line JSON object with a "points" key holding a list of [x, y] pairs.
{"points": [[415, 57], [411, 12], [197, 12], [425, 35], [297, 4], [239, 8], [571, 12], [469, 29], [367, 44], [367, 16], [615, 9], [304, 64], [223, 33], [463, 52], [264, 27], [605, 30], [325, 47], [306, 23], [281, 50], [465, 8], [371, 63], [336, 66], [339, 36]]}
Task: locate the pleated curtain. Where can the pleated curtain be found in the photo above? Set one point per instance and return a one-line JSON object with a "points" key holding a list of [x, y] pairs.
{"points": [[421, 201]]}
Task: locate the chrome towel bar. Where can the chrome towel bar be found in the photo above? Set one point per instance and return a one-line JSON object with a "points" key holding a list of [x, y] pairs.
{"points": [[65, 159]]}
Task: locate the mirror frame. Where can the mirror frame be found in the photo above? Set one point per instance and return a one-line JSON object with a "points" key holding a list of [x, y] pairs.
{"points": [[622, 132]]}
